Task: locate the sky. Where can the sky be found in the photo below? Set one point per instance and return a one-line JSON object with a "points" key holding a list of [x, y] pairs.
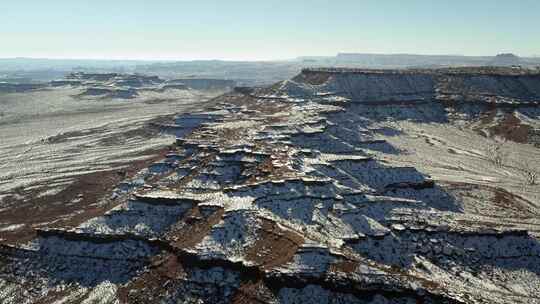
{"points": [[264, 29]]}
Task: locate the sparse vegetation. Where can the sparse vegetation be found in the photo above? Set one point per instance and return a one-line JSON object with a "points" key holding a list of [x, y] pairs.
{"points": [[496, 153], [531, 174]]}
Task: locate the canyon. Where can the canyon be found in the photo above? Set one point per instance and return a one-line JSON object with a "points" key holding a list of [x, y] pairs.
{"points": [[339, 185]]}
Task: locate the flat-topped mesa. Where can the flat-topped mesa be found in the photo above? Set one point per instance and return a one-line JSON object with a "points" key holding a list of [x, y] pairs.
{"points": [[6, 87], [483, 70], [119, 80], [487, 84], [92, 76]]}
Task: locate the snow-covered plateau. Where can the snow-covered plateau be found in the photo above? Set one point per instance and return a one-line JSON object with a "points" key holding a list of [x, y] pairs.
{"points": [[336, 186]]}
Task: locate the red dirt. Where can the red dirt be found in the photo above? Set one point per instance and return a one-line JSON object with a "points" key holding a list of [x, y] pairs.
{"points": [[509, 128], [252, 293], [150, 285], [195, 229], [344, 266], [512, 129], [36, 211], [275, 246]]}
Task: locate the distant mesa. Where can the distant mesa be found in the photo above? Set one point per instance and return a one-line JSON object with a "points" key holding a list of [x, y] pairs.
{"points": [[110, 93], [6, 87], [65, 82], [173, 86], [147, 82], [138, 81], [501, 85], [93, 76], [204, 83], [126, 80], [366, 60], [127, 86], [506, 59]]}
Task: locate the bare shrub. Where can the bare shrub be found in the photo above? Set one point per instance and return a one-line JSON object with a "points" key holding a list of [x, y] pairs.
{"points": [[496, 154], [530, 174]]}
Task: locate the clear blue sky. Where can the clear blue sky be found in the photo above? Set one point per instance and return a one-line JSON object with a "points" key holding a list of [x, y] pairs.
{"points": [[265, 29]]}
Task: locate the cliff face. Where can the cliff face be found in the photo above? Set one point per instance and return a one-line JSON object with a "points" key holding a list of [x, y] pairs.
{"points": [[365, 87], [418, 85], [338, 186]]}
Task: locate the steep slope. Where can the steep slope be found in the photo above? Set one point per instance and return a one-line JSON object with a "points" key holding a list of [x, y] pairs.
{"points": [[338, 186]]}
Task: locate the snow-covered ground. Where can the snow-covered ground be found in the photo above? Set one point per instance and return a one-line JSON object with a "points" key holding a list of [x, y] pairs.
{"points": [[318, 189], [453, 154], [49, 136]]}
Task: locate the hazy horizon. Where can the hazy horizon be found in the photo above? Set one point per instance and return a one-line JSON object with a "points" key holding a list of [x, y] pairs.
{"points": [[242, 30], [248, 60]]}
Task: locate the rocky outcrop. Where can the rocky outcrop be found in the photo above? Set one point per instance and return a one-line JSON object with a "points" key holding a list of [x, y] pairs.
{"points": [[297, 193], [203, 83], [472, 84]]}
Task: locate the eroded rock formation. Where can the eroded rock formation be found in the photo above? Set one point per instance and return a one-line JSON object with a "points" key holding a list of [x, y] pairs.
{"points": [[309, 192]]}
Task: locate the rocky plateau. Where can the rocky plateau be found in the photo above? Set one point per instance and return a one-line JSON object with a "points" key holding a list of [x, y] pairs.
{"points": [[336, 186]]}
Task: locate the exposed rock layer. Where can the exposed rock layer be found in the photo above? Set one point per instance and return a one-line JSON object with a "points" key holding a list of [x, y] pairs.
{"points": [[304, 192]]}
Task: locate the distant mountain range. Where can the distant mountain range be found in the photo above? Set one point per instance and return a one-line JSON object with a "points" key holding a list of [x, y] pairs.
{"points": [[422, 61], [245, 72]]}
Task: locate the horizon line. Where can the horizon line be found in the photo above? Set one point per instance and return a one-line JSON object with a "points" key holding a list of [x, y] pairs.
{"points": [[241, 60]]}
